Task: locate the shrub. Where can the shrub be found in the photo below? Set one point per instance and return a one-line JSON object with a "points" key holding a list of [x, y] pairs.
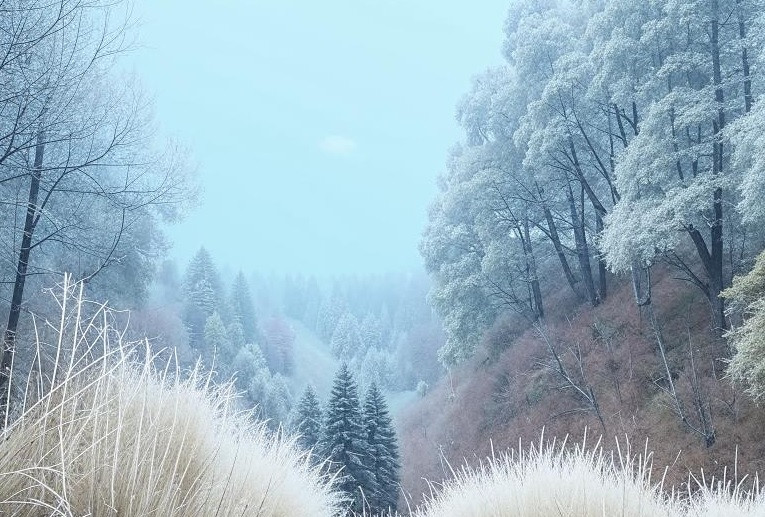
{"points": [[115, 437], [551, 480]]}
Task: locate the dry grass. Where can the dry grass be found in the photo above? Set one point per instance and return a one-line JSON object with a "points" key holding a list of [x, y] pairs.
{"points": [[552, 480], [106, 435]]}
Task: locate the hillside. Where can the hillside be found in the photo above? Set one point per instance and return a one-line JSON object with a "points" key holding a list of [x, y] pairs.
{"points": [[314, 362], [611, 353]]}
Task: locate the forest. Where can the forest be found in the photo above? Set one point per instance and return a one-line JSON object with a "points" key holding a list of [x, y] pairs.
{"points": [[582, 333]]}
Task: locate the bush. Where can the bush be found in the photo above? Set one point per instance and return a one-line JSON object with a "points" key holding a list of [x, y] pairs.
{"points": [[551, 480], [114, 437]]}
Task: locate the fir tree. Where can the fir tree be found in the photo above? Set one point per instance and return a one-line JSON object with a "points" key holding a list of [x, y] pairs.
{"points": [[202, 291], [218, 350], [243, 309], [346, 338], [345, 443], [307, 422], [383, 453]]}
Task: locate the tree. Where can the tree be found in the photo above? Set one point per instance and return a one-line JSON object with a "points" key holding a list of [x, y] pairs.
{"points": [[344, 443], [219, 350], [243, 309], [346, 338], [747, 296], [202, 291], [330, 312], [383, 452], [79, 176], [279, 341], [308, 420]]}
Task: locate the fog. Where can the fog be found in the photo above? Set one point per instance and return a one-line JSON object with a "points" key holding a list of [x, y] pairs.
{"points": [[318, 128]]}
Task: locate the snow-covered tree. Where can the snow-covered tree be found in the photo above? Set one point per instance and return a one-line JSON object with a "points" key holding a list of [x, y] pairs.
{"points": [[218, 350], [279, 344], [243, 310], [345, 442], [329, 314], [202, 291], [308, 420], [371, 332], [383, 452], [346, 338]]}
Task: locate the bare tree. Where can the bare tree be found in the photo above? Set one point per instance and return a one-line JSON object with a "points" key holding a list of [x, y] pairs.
{"points": [[77, 171]]}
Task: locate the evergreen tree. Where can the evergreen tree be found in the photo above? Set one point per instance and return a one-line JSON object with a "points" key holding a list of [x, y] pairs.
{"points": [[382, 452], [202, 291], [243, 309], [345, 443], [218, 349], [346, 338], [307, 422]]}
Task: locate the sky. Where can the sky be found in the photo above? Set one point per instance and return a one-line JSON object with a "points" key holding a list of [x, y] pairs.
{"points": [[318, 129]]}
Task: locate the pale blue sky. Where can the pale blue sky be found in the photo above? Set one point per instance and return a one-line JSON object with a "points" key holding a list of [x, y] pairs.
{"points": [[318, 127]]}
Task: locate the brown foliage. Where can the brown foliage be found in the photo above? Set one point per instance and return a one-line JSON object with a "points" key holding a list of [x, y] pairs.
{"points": [[610, 349]]}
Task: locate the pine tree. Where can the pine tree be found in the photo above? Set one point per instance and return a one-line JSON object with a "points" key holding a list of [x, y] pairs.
{"points": [[218, 350], [383, 452], [243, 309], [346, 338], [307, 422], [202, 291], [345, 443]]}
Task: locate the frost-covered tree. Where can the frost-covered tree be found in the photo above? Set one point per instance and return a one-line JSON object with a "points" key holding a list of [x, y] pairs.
{"points": [[345, 442], [376, 367], [329, 314], [371, 332], [346, 339], [219, 351], [202, 291], [384, 463], [243, 310], [308, 420], [747, 297], [279, 344], [278, 401], [676, 177]]}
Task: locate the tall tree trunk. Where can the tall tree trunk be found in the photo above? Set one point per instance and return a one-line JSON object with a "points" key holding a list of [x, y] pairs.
{"points": [[715, 271], [9, 336], [531, 262], [744, 59], [555, 238], [602, 269], [582, 250]]}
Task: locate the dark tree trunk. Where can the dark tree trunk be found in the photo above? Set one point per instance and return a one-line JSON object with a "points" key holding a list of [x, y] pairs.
{"points": [[555, 238], [602, 269], [715, 270], [9, 336], [531, 262], [582, 250]]}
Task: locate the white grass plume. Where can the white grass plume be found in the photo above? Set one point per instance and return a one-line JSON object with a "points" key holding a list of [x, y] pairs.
{"points": [[111, 437], [552, 480]]}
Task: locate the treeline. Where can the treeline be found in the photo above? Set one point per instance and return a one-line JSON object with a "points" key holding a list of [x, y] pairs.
{"points": [[355, 441], [382, 326], [618, 136], [247, 328]]}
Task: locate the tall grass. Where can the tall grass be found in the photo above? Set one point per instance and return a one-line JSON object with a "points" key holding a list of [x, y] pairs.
{"points": [[100, 430], [552, 480]]}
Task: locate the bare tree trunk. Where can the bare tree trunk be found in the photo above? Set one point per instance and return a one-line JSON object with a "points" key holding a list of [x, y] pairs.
{"points": [[9, 336], [602, 269], [531, 262], [715, 270], [555, 238], [582, 250], [744, 59]]}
